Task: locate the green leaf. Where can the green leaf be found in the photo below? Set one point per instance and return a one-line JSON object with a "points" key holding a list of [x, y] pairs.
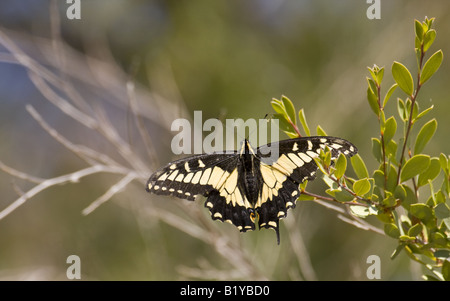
{"points": [[425, 134], [391, 182], [290, 109], [359, 167], [362, 211], [389, 201], [429, 39], [410, 197], [361, 187], [400, 192], [283, 124], [430, 173], [447, 222], [302, 118], [379, 76], [278, 106], [342, 196], [372, 85], [391, 149], [442, 211], [443, 160], [397, 250], [373, 101], [415, 230], [421, 211], [418, 29], [417, 45], [403, 78], [390, 128], [340, 165], [320, 131], [438, 239], [391, 230], [376, 149], [389, 94], [446, 269], [423, 113], [414, 166], [402, 109], [378, 176], [442, 254], [431, 66]]}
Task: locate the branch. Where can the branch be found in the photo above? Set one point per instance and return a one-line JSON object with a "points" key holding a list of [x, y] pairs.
{"points": [[71, 177]]}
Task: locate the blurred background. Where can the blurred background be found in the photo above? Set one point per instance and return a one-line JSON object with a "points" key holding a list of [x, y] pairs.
{"points": [[169, 58]]}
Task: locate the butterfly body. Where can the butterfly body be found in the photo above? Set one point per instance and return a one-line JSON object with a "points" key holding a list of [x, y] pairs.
{"points": [[246, 186]]}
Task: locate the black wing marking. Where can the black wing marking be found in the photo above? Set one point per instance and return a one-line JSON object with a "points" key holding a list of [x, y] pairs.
{"points": [[214, 176], [282, 177]]}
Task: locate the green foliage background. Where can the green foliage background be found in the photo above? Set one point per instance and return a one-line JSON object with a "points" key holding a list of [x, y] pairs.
{"points": [[228, 59]]}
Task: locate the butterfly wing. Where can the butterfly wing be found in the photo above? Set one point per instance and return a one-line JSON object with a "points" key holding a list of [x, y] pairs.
{"points": [[214, 176], [195, 175], [293, 165]]}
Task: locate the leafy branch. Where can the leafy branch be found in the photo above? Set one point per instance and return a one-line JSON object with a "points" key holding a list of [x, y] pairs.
{"points": [[421, 226]]}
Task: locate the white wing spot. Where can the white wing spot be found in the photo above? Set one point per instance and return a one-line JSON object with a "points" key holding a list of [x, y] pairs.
{"points": [[272, 224], [179, 178], [305, 157], [296, 159], [196, 177], [201, 164], [186, 166], [295, 147], [205, 177], [311, 154], [188, 177], [163, 177], [173, 166], [336, 146], [173, 175]]}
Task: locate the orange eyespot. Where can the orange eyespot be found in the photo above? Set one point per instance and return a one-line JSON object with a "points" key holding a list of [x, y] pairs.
{"points": [[253, 216]]}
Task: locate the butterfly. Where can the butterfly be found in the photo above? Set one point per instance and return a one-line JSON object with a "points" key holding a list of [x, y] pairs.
{"points": [[248, 186]]}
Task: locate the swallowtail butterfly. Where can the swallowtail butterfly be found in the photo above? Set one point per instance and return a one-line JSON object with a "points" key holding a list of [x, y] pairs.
{"points": [[241, 187]]}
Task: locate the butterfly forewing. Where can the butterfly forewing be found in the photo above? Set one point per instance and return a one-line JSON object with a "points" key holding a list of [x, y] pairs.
{"points": [[196, 175]]}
